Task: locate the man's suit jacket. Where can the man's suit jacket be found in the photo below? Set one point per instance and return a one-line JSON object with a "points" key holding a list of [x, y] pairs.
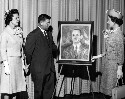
{"points": [[38, 50]]}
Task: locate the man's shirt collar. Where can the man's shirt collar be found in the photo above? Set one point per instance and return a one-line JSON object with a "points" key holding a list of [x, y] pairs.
{"points": [[42, 31], [78, 46]]}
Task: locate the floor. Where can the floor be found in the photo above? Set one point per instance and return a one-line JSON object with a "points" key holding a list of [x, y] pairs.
{"points": [[83, 96]]}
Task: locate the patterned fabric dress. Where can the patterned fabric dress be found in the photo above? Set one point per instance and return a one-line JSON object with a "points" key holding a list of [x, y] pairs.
{"points": [[114, 48]]}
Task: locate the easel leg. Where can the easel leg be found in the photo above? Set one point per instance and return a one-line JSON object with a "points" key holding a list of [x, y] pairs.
{"points": [[90, 82], [72, 85], [61, 86], [57, 83]]}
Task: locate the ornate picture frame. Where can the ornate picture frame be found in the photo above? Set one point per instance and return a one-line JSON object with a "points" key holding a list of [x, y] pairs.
{"points": [[71, 32]]}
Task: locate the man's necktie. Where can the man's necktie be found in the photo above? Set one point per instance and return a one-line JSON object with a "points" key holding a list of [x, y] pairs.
{"points": [[47, 37], [45, 33]]}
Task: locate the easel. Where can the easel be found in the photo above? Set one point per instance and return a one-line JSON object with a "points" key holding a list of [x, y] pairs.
{"points": [[73, 79]]}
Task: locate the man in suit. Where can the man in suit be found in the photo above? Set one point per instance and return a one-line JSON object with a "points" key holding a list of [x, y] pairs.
{"points": [[39, 50], [77, 49]]}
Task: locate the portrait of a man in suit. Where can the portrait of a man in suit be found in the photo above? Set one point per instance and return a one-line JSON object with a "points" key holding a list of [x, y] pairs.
{"points": [[77, 48]]}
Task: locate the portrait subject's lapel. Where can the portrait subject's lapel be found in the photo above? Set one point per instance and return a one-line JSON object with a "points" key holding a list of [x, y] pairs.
{"points": [[72, 52]]}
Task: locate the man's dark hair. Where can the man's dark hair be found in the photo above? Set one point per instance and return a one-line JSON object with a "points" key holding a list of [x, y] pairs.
{"points": [[77, 30], [43, 17]]}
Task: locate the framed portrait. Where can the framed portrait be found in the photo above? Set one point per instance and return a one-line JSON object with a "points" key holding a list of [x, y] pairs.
{"points": [[75, 40]]}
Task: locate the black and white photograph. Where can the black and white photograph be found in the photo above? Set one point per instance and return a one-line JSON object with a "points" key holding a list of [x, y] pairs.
{"points": [[62, 49]]}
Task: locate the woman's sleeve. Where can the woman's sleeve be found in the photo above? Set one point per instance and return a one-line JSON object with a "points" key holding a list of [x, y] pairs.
{"points": [[4, 47]]}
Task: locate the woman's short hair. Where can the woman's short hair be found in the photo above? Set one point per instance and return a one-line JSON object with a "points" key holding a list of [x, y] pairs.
{"points": [[9, 15], [116, 20]]}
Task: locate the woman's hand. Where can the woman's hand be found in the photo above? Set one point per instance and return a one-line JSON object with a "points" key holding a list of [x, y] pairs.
{"points": [[119, 72], [7, 70], [103, 54], [92, 60]]}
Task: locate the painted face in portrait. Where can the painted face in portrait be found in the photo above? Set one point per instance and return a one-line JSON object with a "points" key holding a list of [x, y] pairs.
{"points": [[76, 36], [15, 19], [45, 24]]}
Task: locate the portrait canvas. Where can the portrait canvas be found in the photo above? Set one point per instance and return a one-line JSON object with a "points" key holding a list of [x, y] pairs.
{"points": [[75, 42]]}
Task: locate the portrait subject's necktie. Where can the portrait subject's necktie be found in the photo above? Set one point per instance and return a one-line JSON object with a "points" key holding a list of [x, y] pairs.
{"points": [[76, 54]]}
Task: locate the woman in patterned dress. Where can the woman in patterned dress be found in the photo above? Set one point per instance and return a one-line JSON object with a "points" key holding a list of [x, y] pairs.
{"points": [[12, 76], [114, 53]]}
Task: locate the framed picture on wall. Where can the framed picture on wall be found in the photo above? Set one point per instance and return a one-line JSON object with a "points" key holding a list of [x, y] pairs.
{"points": [[75, 42]]}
